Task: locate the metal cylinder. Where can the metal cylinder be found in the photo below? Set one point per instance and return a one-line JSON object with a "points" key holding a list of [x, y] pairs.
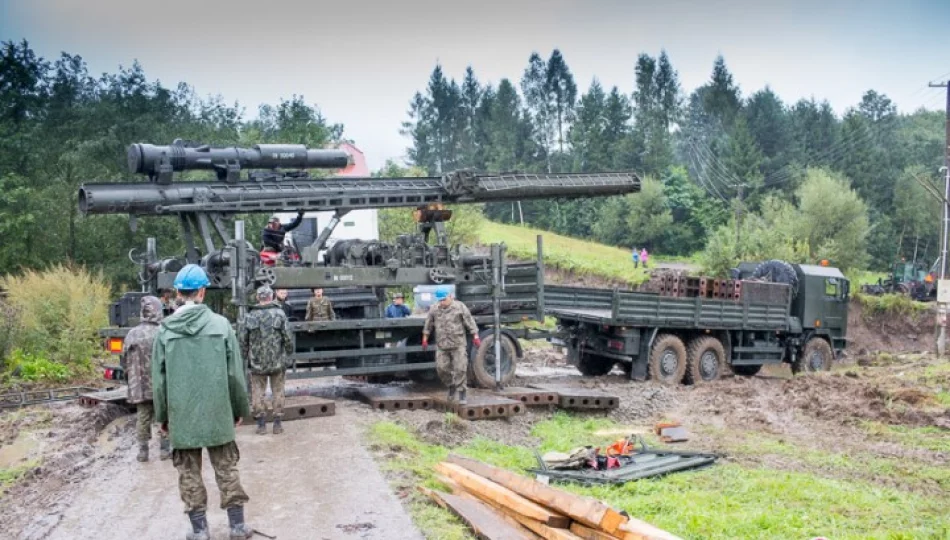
{"points": [[146, 158]]}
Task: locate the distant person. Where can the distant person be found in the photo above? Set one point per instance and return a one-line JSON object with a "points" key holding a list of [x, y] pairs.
{"points": [[200, 398], [137, 362], [319, 308], [644, 257], [272, 237], [450, 318], [281, 296], [266, 342], [169, 302], [636, 258], [397, 309]]}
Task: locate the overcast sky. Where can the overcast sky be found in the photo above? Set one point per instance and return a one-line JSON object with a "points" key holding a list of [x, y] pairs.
{"points": [[361, 61]]}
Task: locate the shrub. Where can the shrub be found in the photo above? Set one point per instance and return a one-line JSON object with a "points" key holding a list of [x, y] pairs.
{"points": [[9, 321], [32, 368], [59, 312]]}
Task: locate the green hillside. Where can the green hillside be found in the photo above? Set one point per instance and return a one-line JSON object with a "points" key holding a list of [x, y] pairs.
{"points": [[567, 254]]}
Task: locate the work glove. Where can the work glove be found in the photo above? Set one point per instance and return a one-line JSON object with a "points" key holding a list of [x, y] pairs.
{"points": [[163, 428], [477, 341], [299, 212], [425, 343]]}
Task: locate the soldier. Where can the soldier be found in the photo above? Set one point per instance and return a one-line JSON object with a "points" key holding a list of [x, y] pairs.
{"points": [[200, 398], [450, 319], [397, 310], [281, 296], [137, 362], [319, 307], [272, 237], [265, 343]]}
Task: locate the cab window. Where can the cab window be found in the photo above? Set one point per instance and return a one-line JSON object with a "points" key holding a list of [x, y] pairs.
{"points": [[832, 287]]}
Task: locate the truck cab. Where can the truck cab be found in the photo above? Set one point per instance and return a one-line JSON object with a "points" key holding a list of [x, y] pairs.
{"points": [[821, 304]]}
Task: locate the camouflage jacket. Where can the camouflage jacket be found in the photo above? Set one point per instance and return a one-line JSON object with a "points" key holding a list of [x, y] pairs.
{"points": [[320, 309], [137, 351], [266, 340], [450, 324]]}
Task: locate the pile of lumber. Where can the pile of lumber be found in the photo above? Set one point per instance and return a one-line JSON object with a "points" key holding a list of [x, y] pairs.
{"points": [[499, 504]]}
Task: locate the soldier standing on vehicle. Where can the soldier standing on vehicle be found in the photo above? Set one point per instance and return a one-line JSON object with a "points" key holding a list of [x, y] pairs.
{"points": [[397, 310], [272, 237], [137, 362], [200, 397], [319, 307], [265, 343], [450, 318]]}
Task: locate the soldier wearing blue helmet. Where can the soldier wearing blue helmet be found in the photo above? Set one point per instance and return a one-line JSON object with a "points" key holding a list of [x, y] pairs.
{"points": [[200, 396], [450, 319]]}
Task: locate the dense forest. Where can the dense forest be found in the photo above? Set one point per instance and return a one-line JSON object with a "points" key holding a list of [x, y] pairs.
{"points": [[802, 182]]}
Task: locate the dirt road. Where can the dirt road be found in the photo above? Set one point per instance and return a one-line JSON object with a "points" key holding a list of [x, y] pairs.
{"points": [[323, 486]]}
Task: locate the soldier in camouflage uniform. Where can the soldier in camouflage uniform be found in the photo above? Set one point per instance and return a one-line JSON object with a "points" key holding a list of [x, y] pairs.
{"points": [[319, 307], [450, 318], [265, 343], [136, 360]]}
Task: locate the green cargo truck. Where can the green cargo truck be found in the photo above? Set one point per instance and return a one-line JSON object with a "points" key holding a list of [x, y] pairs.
{"points": [[773, 313]]}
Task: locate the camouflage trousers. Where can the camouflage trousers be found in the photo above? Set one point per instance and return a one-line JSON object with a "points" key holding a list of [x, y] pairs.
{"points": [[452, 366], [224, 460], [259, 387], [144, 417]]}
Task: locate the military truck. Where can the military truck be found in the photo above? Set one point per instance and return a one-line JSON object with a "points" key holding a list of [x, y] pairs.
{"points": [[499, 292], [699, 329]]}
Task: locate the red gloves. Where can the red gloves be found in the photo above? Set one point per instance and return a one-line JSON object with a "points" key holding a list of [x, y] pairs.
{"points": [[477, 341], [425, 343]]}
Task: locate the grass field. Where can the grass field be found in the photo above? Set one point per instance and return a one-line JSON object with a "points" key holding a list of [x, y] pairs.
{"points": [[581, 257], [727, 500]]}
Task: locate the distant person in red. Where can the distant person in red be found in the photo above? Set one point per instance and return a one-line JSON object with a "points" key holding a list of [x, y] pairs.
{"points": [[644, 257]]}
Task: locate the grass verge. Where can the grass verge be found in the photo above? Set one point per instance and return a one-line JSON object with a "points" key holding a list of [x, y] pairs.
{"points": [[725, 501]]}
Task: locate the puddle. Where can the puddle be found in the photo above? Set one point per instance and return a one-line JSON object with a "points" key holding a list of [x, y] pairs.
{"points": [[21, 450]]}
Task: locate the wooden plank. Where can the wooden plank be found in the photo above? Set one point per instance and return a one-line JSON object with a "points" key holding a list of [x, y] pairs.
{"points": [[587, 533], [480, 518], [588, 511], [641, 530], [535, 526], [489, 491]]}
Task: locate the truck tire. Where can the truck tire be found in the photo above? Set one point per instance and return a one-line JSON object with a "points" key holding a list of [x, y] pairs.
{"points": [[667, 359], [777, 271], [594, 366], [816, 356], [705, 360], [746, 371], [481, 366]]}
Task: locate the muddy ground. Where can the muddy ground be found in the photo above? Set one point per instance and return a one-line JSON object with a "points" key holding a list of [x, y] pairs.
{"points": [[66, 453]]}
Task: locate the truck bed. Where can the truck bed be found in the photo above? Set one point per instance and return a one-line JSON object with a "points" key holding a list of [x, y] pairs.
{"points": [[754, 311]]}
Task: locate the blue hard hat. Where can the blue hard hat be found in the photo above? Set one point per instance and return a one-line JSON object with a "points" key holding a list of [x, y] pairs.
{"points": [[191, 278], [441, 293]]}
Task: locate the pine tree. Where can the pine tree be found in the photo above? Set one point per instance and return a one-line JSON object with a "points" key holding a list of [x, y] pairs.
{"points": [[722, 100], [537, 99], [562, 94]]}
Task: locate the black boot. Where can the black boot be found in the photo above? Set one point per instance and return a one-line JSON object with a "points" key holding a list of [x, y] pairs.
{"points": [[199, 526], [278, 429], [239, 529], [262, 425], [451, 396], [143, 452], [462, 397], [164, 448]]}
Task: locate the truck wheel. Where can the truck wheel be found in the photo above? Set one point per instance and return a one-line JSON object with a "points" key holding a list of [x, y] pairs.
{"points": [[817, 356], [746, 371], [667, 359], [481, 367], [705, 360], [594, 366]]}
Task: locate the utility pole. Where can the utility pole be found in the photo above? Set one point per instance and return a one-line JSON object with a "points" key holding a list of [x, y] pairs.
{"points": [[942, 308], [739, 213]]}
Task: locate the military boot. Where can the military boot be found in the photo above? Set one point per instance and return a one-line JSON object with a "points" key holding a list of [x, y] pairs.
{"points": [[143, 452], [262, 426], [451, 396], [462, 400], [278, 429], [239, 529], [165, 449], [199, 526]]}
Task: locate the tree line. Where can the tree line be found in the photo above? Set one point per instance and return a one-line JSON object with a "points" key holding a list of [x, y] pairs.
{"points": [[738, 176]]}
